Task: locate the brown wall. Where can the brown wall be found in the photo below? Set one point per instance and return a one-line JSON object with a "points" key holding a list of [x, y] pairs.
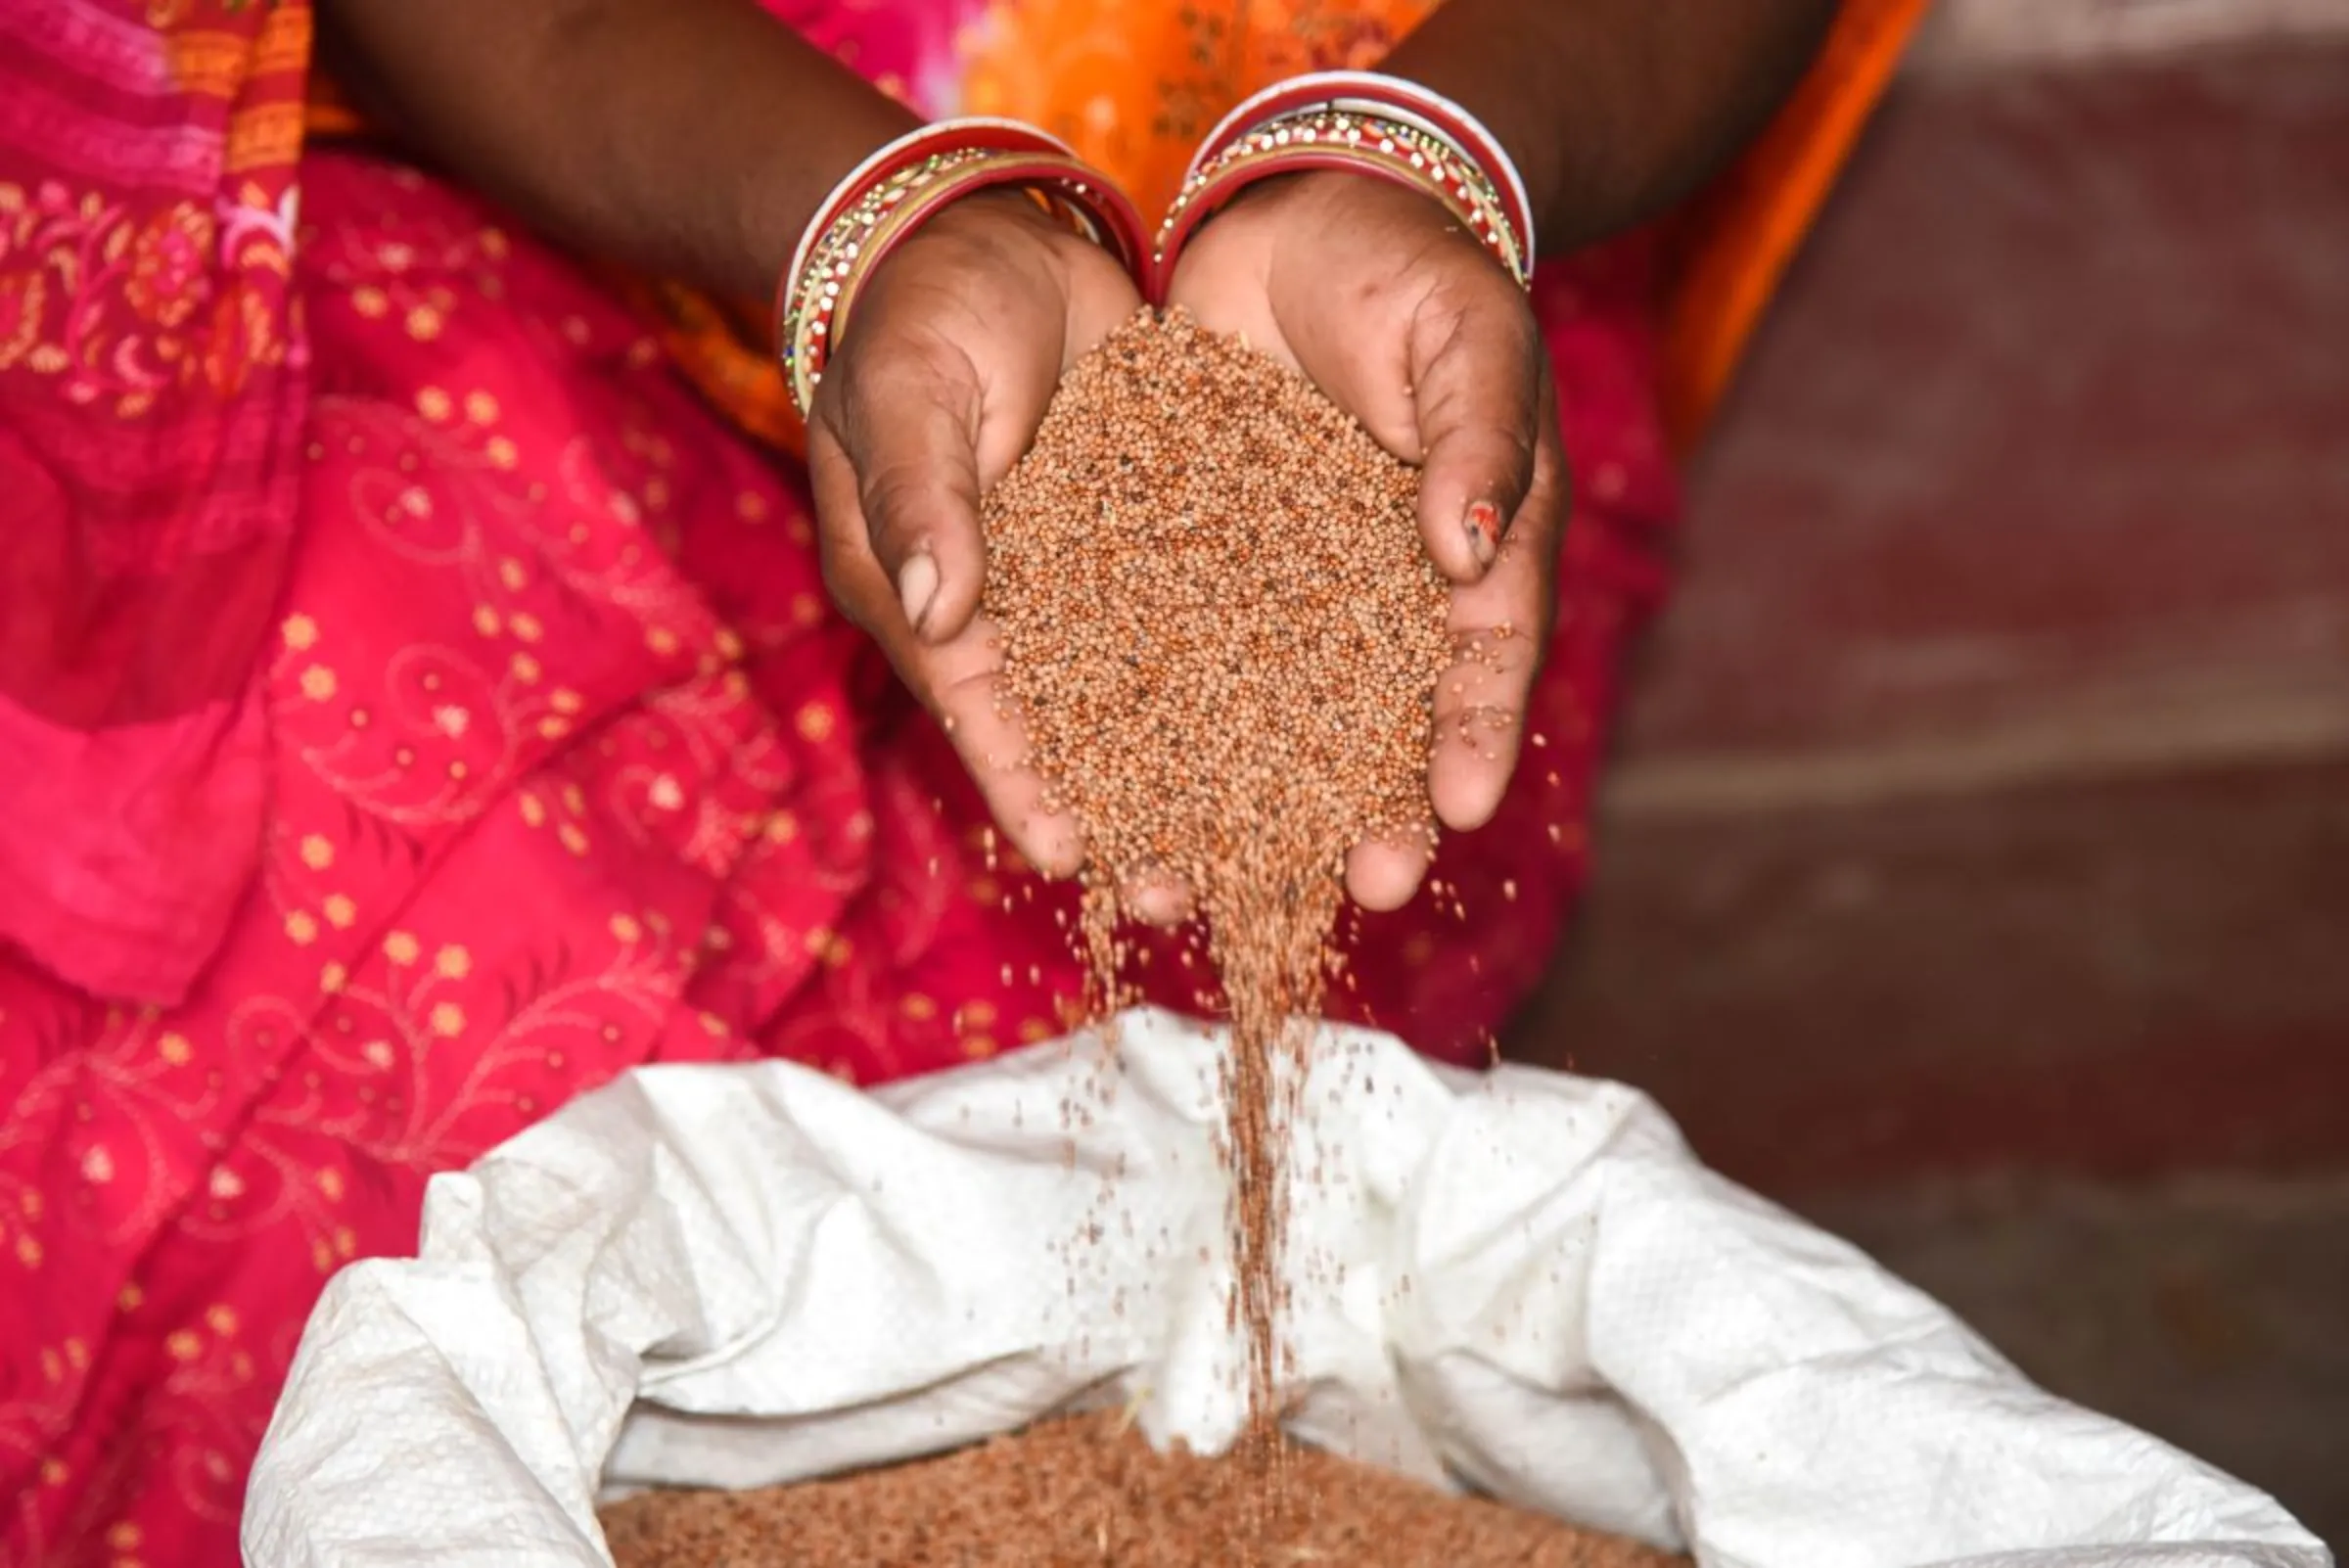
{"points": [[1985, 795]]}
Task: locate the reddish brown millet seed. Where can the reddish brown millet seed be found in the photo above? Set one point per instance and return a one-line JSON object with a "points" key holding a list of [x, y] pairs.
{"points": [[1090, 1493]]}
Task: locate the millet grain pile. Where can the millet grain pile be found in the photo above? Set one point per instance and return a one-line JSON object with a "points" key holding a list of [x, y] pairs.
{"points": [[1223, 635], [1090, 1493]]}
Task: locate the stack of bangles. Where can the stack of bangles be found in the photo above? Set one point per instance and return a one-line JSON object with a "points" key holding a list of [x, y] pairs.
{"points": [[1354, 122], [892, 194], [1364, 123]]}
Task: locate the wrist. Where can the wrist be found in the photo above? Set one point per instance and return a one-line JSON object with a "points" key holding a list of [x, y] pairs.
{"points": [[1616, 108], [912, 183], [1003, 232], [1013, 226], [1363, 124], [1537, 159], [778, 205]]}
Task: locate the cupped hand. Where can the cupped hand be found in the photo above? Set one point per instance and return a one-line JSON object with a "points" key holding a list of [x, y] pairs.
{"points": [[1386, 305], [955, 346]]}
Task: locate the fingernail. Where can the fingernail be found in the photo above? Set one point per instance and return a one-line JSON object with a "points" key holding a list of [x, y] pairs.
{"points": [[917, 587], [1484, 531]]}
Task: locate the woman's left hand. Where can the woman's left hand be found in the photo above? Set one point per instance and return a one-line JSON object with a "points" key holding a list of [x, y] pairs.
{"points": [[1386, 304]]}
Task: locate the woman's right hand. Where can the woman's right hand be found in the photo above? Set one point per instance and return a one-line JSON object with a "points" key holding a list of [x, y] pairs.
{"points": [[956, 346]]}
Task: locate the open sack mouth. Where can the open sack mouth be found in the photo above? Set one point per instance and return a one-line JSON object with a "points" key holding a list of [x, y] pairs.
{"points": [[744, 1276]]}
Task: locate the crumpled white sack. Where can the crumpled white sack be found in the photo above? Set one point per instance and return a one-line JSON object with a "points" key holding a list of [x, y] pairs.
{"points": [[743, 1276]]}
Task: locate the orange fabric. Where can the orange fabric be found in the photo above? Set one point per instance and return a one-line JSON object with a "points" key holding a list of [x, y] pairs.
{"points": [[1135, 85], [329, 113], [1735, 246]]}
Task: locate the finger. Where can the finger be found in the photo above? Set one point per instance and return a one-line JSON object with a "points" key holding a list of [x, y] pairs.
{"points": [[1157, 898], [852, 576], [1477, 378], [911, 431], [963, 676], [956, 679], [1501, 630], [1382, 873], [1102, 298]]}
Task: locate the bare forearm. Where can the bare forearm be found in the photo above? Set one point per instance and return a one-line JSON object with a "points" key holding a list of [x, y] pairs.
{"points": [[1613, 109], [694, 137]]}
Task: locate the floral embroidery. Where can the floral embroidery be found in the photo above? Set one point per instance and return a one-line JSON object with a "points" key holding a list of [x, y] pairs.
{"points": [[20, 316], [65, 261], [168, 278]]}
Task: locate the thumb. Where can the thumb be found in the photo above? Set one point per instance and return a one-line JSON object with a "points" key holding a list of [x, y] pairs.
{"points": [[1478, 394], [914, 450]]}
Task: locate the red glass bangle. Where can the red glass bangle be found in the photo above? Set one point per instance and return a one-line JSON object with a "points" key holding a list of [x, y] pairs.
{"points": [[891, 198], [976, 133], [1106, 216], [1343, 141], [1376, 95]]}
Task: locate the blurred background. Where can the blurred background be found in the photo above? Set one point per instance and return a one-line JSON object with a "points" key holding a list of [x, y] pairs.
{"points": [[1975, 877]]}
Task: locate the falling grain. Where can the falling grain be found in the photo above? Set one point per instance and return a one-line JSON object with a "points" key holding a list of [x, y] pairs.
{"points": [[1222, 636]]}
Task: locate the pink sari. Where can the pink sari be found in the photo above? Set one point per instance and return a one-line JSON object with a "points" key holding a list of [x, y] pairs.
{"points": [[417, 705]]}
